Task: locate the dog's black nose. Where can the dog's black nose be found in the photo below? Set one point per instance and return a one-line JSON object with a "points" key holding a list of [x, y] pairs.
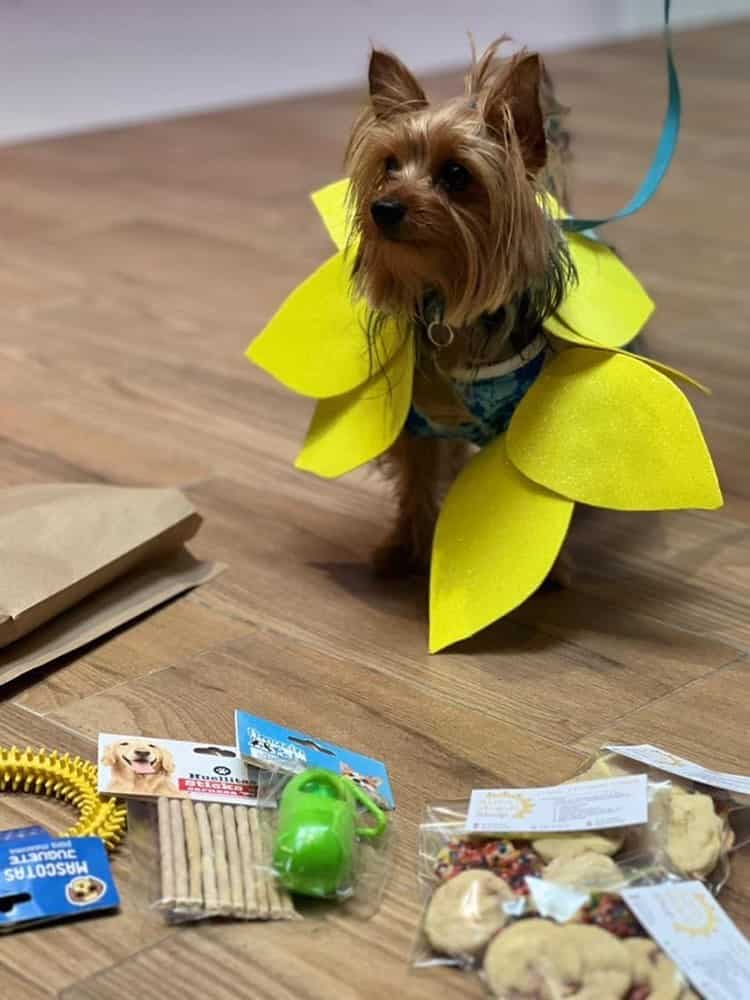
{"points": [[140, 753], [388, 212]]}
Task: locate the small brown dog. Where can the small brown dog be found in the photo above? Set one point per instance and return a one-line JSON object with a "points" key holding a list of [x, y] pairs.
{"points": [[453, 242], [140, 768]]}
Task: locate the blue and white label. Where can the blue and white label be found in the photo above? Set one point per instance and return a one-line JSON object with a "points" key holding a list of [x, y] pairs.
{"points": [[44, 878], [269, 745]]}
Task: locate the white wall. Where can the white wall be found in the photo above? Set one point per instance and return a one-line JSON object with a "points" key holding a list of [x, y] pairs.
{"points": [[74, 64]]}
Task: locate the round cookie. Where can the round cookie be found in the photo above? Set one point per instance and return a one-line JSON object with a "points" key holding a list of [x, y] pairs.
{"points": [[607, 968], [465, 912], [653, 969], [696, 833], [585, 871], [602, 767], [569, 845], [529, 954]]}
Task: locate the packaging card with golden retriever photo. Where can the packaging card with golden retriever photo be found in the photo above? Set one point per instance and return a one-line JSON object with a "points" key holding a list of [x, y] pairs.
{"points": [[146, 767]]}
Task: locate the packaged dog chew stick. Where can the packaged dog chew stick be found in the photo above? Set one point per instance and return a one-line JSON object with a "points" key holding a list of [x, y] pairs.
{"points": [[709, 811], [196, 829], [478, 859], [331, 815]]}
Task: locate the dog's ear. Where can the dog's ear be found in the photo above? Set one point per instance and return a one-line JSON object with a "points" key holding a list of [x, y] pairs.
{"points": [[517, 93], [393, 89], [167, 761], [109, 759]]}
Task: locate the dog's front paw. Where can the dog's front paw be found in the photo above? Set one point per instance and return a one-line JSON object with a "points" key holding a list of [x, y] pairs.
{"points": [[396, 559]]}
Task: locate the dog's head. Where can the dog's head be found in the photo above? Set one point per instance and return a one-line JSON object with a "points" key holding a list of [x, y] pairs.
{"points": [[85, 890], [444, 197], [139, 757], [367, 783]]}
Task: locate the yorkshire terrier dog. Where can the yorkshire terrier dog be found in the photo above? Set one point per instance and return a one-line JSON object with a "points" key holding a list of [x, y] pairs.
{"points": [[453, 242]]}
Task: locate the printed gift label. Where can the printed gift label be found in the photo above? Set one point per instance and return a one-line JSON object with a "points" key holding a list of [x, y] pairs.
{"points": [[592, 805], [144, 767], [644, 753], [690, 926]]}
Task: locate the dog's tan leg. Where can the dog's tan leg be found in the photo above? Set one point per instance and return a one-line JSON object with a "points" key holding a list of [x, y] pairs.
{"points": [[413, 464]]}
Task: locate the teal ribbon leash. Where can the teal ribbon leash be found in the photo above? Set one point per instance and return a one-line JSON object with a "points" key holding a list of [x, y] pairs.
{"points": [[665, 149]]}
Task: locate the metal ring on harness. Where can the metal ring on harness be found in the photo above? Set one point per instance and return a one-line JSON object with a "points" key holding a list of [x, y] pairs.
{"points": [[437, 341]]}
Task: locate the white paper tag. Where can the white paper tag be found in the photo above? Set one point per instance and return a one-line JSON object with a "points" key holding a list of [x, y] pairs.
{"points": [[687, 922], [560, 902], [665, 761], [592, 805]]}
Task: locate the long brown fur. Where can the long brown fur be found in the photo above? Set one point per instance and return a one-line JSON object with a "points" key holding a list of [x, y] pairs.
{"points": [[487, 249]]}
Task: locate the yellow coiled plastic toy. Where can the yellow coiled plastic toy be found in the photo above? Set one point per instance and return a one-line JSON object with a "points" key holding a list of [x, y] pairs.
{"points": [[70, 779]]}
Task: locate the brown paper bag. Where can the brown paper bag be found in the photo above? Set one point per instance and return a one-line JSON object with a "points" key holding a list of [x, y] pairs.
{"points": [[68, 546]]}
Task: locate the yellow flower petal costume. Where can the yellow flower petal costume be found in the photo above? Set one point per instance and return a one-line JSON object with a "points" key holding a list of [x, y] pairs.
{"points": [[599, 425]]}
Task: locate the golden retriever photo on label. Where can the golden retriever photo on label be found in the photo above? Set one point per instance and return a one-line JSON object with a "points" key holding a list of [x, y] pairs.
{"points": [[138, 767], [85, 890]]}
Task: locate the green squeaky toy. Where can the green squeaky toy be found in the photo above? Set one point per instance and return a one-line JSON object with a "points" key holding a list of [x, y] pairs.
{"points": [[318, 833]]}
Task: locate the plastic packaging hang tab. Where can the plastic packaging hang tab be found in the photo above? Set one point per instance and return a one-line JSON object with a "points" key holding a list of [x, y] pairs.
{"points": [[273, 747]]}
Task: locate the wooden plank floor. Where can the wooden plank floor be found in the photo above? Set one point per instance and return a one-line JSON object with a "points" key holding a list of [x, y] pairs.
{"points": [[135, 265]]}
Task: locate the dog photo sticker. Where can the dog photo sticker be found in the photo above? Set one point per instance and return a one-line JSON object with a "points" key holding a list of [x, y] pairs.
{"points": [[144, 767], [85, 890]]}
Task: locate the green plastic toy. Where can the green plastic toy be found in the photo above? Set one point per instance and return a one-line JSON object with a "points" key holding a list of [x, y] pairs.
{"points": [[318, 833]]}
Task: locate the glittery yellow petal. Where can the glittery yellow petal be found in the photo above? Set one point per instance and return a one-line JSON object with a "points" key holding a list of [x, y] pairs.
{"points": [[316, 342], [330, 202], [571, 337], [608, 304], [497, 538], [608, 430], [350, 430]]}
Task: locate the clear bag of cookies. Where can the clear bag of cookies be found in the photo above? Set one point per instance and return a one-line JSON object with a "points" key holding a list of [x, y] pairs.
{"points": [[474, 883], [583, 941], [574, 934], [707, 815]]}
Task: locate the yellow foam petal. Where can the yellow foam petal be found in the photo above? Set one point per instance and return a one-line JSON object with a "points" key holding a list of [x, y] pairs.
{"points": [[571, 337], [497, 538], [316, 343], [608, 304], [608, 430], [350, 430], [330, 202]]}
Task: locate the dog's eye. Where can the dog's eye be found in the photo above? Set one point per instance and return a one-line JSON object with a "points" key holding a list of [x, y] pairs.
{"points": [[391, 165], [124, 744], [151, 745], [453, 177]]}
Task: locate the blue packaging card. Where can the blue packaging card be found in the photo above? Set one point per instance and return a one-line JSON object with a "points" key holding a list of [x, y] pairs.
{"points": [[44, 878], [24, 833], [269, 745]]}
